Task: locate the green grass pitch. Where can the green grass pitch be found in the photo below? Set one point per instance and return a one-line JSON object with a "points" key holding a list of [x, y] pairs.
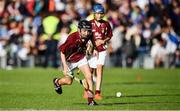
{"points": [[32, 89]]}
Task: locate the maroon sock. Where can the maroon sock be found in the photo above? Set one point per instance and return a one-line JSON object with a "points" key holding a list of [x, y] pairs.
{"points": [[97, 92], [90, 100]]}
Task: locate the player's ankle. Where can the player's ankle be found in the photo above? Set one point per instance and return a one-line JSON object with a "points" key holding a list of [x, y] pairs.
{"points": [[97, 91], [90, 99], [57, 81]]}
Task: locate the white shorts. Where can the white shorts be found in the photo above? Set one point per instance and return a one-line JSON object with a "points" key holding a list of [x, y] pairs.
{"points": [[94, 61], [78, 64]]}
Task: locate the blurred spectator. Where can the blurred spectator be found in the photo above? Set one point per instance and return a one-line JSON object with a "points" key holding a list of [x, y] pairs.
{"points": [[158, 52], [3, 43], [116, 44], [50, 39], [25, 33], [128, 52], [177, 58], [171, 39]]}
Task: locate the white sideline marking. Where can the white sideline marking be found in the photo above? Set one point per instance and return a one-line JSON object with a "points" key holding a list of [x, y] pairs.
{"points": [[1, 109]]}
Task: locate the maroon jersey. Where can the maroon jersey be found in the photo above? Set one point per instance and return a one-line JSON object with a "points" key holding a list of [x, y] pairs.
{"points": [[74, 47], [101, 32]]}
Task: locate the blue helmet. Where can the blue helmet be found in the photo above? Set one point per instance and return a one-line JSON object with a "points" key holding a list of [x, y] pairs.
{"points": [[98, 8]]}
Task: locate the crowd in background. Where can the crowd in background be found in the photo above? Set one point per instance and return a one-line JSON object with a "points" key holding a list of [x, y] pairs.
{"points": [[146, 33]]}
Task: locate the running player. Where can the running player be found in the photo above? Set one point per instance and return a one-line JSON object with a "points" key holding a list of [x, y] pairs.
{"points": [[73, 55]]}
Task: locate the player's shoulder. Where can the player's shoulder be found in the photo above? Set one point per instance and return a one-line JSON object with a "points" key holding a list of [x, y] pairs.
{"points": [[74, 34]]}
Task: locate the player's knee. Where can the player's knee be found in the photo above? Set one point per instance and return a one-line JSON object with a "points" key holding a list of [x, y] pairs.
{"points": [[68, 81]]}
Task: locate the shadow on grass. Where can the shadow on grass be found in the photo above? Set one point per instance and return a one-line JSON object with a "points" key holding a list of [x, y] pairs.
{"points": [[132, 83], [129, 103], [135, 83], [125, 96], [136, 103]]}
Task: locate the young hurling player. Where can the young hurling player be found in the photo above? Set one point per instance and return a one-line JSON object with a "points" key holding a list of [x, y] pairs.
{"points": [[73, 55], [102, 33]]}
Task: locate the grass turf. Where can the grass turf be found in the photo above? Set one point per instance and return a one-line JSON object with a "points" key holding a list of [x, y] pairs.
{"points": [[141, 89]]}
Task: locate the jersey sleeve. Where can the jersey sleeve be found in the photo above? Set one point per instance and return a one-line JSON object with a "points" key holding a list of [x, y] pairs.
{"points": [[65, 46], [62, 47]]}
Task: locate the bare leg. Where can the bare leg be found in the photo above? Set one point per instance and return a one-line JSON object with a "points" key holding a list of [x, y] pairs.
{"points": [[88, 76], [93, 72], [65, 81], [99, 72]]}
